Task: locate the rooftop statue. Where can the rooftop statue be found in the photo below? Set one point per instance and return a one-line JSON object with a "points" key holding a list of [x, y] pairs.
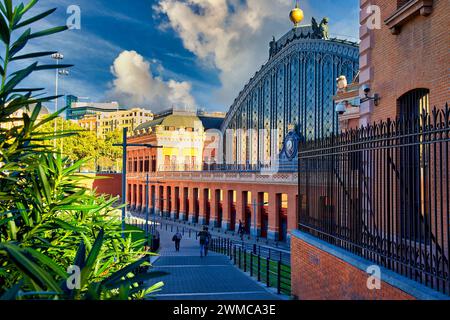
{"points": [[320, 31], [273, 47]]}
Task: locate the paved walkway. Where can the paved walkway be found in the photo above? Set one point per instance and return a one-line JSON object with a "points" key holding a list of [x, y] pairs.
{"points": [[209, 278], [268, 249]]}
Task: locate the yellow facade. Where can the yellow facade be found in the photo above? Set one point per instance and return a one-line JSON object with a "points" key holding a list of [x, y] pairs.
{"points": [[105, 122]]}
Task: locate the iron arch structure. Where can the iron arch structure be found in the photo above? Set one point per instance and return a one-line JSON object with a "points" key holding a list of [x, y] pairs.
{"points": [[294, 89]]}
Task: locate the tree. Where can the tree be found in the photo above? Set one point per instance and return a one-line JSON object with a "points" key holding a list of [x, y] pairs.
{"points": [[82, 144], [110, 156]]}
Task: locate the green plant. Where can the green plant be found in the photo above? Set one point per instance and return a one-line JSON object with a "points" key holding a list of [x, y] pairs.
{"points": [[48, 220]]}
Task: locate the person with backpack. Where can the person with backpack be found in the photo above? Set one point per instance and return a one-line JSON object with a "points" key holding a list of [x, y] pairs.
{"points": [[177, 239], [204, 237]]}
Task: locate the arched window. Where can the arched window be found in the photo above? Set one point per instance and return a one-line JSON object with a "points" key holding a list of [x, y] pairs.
{"points": [[414, 103], [414, 162]]}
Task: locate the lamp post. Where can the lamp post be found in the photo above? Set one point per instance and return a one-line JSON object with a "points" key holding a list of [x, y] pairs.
{"points": [[63, 72], [153, 211], [124, 146], [58, 57]]}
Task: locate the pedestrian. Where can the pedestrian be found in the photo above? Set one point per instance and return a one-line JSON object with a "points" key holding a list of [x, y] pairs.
{"points": [[204, 237], [241, 230], [177, 239]]}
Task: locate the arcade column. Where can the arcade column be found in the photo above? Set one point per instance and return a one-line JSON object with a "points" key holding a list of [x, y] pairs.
{"points": [[202, 203], [241, 203], [292, 214], [226, 207], [214, 218], [183, 198], [274, 216], [191, 209]]}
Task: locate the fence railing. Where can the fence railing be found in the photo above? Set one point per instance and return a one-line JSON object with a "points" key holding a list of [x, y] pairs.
{"points": [[382, 192], [191, 229], [268, 270]]}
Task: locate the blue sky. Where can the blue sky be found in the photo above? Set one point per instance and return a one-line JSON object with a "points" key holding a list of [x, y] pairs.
{"points": [[158, 53]]}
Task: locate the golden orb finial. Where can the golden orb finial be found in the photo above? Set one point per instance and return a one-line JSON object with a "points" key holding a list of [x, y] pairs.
{"points": [[296, 15]]}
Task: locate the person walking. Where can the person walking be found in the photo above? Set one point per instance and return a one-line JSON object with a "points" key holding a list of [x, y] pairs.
{"points": [[241, 230], [204, 238], [177, 239]]}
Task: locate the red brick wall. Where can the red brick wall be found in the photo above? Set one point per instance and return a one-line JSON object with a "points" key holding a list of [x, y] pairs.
{"points": [[318, 275], [111, 184], [418, 57]]}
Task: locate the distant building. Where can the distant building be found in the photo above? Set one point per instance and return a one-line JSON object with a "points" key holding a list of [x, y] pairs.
{"points": [[77, 110], [183, 137], [104, 122], [19, 115], [110, 121]]}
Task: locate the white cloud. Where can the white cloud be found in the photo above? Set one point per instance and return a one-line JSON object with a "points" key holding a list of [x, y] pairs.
{"points": [[136, 85], [232, 36]]}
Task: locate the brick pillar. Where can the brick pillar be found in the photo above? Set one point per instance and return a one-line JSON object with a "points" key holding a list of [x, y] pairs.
{"points": [[141, 196], [191, 209], [166, 212], [214, 214], [183, 209], [240, 207], [157, 201], [274, 216], [257, 204], [202, 209], [173, 199], [226, 210], [135, 195], [131, 200], [292, 213]]}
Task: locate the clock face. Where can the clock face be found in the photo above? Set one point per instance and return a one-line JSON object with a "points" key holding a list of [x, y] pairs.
{"points": [[290, 147]]}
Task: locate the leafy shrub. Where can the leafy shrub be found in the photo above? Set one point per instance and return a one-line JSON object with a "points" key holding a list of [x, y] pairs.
{"points": [[49, 222]]}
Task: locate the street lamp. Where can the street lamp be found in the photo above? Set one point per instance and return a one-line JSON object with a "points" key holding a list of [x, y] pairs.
{"points": [[62, 72], [153, 210], [124, 146], [58, 57]]}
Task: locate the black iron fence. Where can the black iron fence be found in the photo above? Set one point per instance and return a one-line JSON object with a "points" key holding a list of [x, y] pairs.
{"points": [[267, 269], [382, 192]]}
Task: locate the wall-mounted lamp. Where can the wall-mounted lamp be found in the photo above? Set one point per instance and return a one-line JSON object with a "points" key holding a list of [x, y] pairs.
{"points": [[376, 97]]}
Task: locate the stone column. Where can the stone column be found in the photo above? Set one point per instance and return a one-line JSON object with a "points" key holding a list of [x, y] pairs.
{"points": [[274, 216]]}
